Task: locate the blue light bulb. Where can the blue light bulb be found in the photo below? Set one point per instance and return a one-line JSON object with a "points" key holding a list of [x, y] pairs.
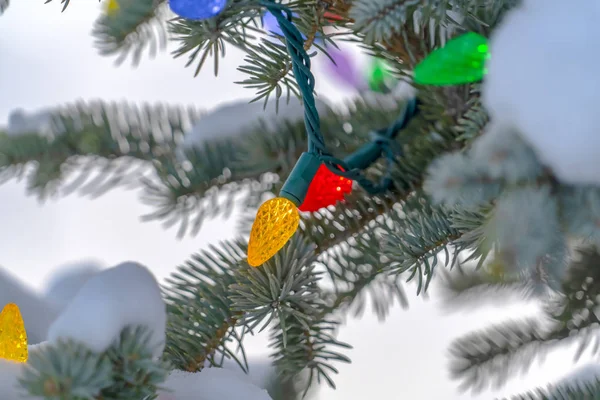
{"points": [[197, 9]]}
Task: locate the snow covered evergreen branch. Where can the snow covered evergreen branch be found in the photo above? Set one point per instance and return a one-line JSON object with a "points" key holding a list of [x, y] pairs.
{"points": [[231, 299], [494, 196], [136, 27], [70, 145], [483, 357], [412, 245], [583, 383], [528, 203], [567, 391], [380, 20], [197, 291], [69, 370]]}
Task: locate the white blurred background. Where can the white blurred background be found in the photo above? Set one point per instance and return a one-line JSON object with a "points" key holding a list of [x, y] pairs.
{"points": [[47, 58]]}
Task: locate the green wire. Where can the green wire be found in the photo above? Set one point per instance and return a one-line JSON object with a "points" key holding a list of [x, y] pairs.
{"points": [[306, 83]]}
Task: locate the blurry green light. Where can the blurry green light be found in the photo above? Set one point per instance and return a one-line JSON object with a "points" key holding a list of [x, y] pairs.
{"points": [[460, 61]]}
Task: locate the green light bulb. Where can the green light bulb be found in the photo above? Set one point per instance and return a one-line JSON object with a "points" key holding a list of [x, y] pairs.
{"points": [[461, 60], [379, 76]]}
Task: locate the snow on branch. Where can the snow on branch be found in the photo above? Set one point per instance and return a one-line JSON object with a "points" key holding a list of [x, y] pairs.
{"points": [[93, 146], [108, 344]]}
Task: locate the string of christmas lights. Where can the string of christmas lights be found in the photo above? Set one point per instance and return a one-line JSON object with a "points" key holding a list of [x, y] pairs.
{"points": [[318, 179], [277, 219], [341, 64]]}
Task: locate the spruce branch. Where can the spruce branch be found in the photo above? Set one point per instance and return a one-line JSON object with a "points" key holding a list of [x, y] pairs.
{"points": [[217, 292], [576, 390], [137, 26], [284, 289], [420, 148], [421, 232], [496, 353], [466, 286], [268, 65], [313, 349], [209, 38], [247, 165], [196, 190], [491, 356], [352, 223], [427, 25], [269, 72], [379, 20], [285, 295], [106, 139], [328, 228], [68, 370], [96, 146], [201, 317], [482, 17], [471, 224], [358, 275]]}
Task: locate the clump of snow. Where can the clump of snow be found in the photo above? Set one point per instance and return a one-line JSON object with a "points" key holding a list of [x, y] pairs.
{"points": [[211, 384], [236, 118], [585, 373], [542, 81], [66, 282], [10, 372], [37, 313], [581, 376], [126, 295], [260, 371]]}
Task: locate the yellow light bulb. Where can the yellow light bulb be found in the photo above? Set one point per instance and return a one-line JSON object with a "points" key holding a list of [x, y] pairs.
{"points": [[13, 337], [112, 6], [276, 222]]}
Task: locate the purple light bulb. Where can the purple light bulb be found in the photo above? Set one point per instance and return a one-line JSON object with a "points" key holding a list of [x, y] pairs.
{"points": [[344, 69]]}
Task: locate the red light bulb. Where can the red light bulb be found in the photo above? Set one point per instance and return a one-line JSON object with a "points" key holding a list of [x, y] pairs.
{"points": [[326, 189], [331, 17]]}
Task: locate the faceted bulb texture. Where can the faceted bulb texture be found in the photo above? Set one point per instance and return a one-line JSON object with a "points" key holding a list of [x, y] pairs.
{"points": [[276, 222], [197, 9], [13, 338], [325, 190]]}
